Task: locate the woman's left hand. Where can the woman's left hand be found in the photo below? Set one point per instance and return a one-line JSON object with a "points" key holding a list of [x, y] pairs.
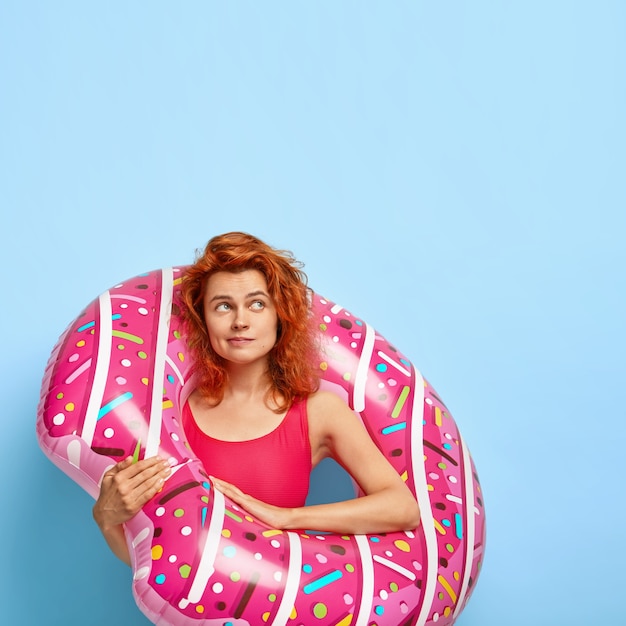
{"points": [[273, 516]]}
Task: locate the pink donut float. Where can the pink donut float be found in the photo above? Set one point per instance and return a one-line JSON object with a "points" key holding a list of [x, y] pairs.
{"points": [[114, 386]]}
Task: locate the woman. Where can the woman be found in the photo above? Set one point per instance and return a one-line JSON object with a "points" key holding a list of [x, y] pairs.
{"points": [[257, 420]]}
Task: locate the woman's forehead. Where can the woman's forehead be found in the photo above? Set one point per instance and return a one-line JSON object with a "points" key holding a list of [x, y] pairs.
{"points": [[236, 283]]}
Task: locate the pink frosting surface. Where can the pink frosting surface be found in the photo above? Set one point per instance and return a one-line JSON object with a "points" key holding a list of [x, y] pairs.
{"points": [[114, 386]]}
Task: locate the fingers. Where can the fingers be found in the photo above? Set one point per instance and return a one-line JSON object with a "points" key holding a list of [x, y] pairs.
{"points": [[129, 475], [227, 488], [127, 486]]}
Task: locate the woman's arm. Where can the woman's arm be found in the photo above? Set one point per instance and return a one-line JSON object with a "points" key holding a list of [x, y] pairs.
{"points": [[336, 432], [125, 488]]}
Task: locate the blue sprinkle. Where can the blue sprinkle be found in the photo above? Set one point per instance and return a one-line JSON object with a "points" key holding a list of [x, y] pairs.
{"points": [[86, 326], [379, 610], [307, 569], [230, 551], [458, 525], [116, 316], [358, 322], [447, 523], [170, 378], [381, 367], [107, 408], [374, 539], [159, 579], [206, 485], [322, 582], [393, 428], [447, 446]]}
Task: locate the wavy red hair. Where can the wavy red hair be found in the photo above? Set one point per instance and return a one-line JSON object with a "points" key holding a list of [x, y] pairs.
{"points": [[292, 361]]}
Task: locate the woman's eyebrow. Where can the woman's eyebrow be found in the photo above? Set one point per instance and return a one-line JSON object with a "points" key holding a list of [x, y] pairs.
{"points": [[252, 294], [259, 292]]}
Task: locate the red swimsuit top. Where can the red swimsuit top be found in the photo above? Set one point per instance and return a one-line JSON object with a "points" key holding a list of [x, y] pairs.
{"points": [[274, 468]]}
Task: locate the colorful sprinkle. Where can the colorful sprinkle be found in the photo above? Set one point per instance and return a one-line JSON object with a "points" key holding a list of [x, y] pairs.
{"points": [[113, 404], [322, 581], [320, 610]]}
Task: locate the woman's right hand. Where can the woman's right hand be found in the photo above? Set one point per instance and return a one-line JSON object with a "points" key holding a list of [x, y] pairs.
{"points": [[125, 488]]}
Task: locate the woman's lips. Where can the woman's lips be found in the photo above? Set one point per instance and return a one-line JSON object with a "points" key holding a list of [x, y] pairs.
{"points": [[239, 341]]}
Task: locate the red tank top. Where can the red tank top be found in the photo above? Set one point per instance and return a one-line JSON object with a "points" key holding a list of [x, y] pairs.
{"points": [[274, 468]]}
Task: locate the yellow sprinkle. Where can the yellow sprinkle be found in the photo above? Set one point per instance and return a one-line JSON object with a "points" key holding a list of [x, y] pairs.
{"points": [[439, 527], [199, 609], [181, 357], [456, 576], [446, 585], [177, 281], [438, 421], [226, 533], [294, 613], [323, 366], [430, 488], [404, 476], [447, 611], [272, 533], [69, 406], [168, 404], [347, 376], [145, 381], [80, 344], [265, 616], [346, 621], [402, 545]]}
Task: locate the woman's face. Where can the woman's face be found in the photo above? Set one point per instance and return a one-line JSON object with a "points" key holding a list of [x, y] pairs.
{"points": [[240, 316]]}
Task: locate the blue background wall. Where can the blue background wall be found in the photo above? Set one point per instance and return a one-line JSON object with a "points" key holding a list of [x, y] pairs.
{"points": [[452, 172]]}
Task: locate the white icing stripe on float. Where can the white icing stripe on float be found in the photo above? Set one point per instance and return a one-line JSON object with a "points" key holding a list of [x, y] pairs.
{"points": [[173, 365], [156, 408], [423, 498], [103, 360], [293, 580], [367, 588], [470, 527], [143, 534], [207, 560], [125, 296], [335, 309], [395, 567], [458, 500], [73, 452], [358, 394], [391, 362]]}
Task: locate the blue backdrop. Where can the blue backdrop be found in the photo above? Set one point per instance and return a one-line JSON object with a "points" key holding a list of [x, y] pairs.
{"points": [[451, 172]]}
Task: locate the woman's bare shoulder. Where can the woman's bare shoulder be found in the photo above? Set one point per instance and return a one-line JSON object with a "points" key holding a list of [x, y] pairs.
{"points": [[322, 402]]}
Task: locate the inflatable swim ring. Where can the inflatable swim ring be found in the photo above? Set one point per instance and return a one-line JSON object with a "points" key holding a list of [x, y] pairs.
{"points": [[114, 386]]}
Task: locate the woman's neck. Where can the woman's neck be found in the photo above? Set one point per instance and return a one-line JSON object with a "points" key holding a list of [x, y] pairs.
{"points": [[247, 382]]}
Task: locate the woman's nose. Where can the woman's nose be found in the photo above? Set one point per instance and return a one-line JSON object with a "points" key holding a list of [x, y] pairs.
{"points": [[240, 321]]}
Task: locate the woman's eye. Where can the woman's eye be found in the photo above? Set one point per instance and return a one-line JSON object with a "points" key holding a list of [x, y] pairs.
{"points": [[258, 304], [224, 306]]}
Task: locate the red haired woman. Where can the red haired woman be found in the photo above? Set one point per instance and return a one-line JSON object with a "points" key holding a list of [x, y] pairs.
{"points": [[257, 420]]}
